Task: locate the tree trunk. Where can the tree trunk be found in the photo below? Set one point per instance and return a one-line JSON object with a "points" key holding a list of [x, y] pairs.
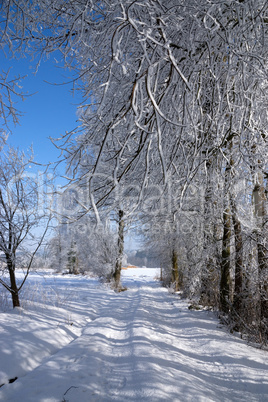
{"points": [[238, 285], [225, 264], [259, 200], [118, 265], [263, 288], [13, 286], [208, 291], [225, 281], [175, 271]]}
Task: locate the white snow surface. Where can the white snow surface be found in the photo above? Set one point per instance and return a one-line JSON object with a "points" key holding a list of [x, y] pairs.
{"points": [[83, 342]]}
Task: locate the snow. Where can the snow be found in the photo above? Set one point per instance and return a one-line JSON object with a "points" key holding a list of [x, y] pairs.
{"points": [[84, 342]]}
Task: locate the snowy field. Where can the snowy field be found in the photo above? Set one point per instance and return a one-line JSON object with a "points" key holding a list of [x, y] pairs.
{"points": [[76, 340]]}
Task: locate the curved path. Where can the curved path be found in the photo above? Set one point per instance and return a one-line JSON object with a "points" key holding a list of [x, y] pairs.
{"points": [[145, 345]]}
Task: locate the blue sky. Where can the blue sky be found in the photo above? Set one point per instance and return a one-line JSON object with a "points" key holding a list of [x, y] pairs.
{"points": [[50, 112]]}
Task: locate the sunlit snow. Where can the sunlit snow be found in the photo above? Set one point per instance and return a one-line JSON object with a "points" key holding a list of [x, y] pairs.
{"points": [[83, 342]]}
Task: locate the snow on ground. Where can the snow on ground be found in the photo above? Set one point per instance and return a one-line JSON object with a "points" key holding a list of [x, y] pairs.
{"points": [[85, 343]]}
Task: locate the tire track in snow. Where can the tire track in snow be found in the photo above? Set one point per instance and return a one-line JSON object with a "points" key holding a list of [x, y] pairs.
{"points": [[145, 345], [118, 371]]}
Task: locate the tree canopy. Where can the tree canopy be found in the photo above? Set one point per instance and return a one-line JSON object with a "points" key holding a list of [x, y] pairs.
{"points": [[175, 98]]}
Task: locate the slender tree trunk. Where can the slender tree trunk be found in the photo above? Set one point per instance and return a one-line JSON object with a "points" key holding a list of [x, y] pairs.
{"points": [[238, 285], [225, 283], [225, 265], [175, 270], [60, 265], [118, 265], [263, 273], [259, 200], [208, 293], [13, 285], [263, 289]]}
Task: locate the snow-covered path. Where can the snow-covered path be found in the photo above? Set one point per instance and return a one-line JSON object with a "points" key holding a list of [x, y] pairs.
{"points": [[145, 345]]}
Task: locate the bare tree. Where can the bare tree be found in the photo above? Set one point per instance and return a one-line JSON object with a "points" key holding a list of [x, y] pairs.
{"points": [[19, 217]]}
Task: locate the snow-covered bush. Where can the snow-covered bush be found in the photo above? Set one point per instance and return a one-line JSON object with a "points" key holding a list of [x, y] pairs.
{"points": [[82, 248]]}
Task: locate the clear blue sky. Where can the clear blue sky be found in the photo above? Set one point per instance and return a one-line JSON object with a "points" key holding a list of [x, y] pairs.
{"points": [[50, 112]]}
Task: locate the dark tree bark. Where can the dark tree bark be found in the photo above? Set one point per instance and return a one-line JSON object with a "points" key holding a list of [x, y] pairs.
{"points": [[209, 276], [225, 265], [263, 287], [259, 199], [13, 285], [238, 285], [175, 271], [118, 265]]}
